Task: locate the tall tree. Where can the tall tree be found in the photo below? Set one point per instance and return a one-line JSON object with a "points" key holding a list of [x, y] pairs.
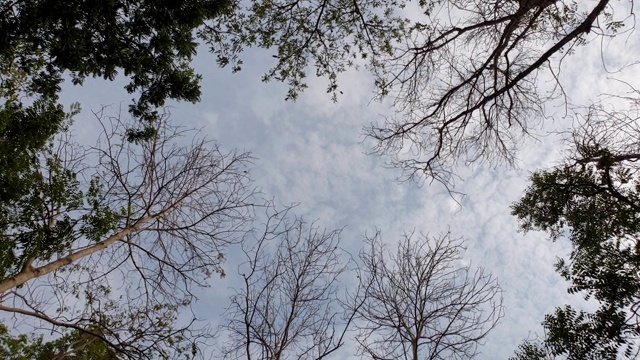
{"points": [[593, 200], [465, 75], [422, 303], [111, 240], [288, 306]]}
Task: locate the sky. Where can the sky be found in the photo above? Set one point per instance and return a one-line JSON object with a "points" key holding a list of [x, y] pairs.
{"points": [[312, 152]]}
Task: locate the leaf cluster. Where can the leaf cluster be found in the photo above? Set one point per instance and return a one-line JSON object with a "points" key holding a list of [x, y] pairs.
{"points": [[331, 35], [593, 200], [151, 42]]}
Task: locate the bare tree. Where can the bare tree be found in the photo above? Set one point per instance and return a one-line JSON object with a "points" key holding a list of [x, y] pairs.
{"points": [[422, 302], [604, 137], [114, 249], [288, 307], [468, 83], [467, 76]]}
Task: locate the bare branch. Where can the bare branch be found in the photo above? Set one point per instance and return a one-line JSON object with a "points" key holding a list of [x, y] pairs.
{"points": [[468, 88], [288, 306], [126, 247], [422, 303]]}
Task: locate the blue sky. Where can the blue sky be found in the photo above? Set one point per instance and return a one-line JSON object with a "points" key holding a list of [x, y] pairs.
{"points": [[312, 152]]}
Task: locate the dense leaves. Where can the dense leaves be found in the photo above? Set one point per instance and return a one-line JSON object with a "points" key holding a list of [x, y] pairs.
{"points": [[74, 345], [151, 42], [28, 226], [594, 201], [24, 132]]}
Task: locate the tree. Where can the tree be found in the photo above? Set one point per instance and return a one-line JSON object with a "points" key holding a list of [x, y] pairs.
{"points": [[75, 345], [111, 240], [23, 133], [466, 85], [469, 84], [422, 303], [151, 42], [464, 75], [332, 35], [593, 200], [531, 350], [288, 307]]}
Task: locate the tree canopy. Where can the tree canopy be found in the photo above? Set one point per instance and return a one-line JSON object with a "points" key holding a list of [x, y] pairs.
{"points": [[76, 345], [593, 200], [467, 86], [150, 42], [142, 207]]}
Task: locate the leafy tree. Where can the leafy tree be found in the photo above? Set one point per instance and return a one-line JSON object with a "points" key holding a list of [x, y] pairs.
{"points": [[109, 241], [421, 303], [593, 200], [25, 133], [331, 35], [151, 42], [530, 350], [75, 345]]}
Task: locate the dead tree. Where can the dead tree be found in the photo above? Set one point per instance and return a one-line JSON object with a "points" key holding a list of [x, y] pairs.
{"points": [[422, 302], [116, 236], [288, 305], [467, 85]]}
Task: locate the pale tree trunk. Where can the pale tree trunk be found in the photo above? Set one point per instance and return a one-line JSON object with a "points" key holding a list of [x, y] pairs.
{"points": [[28, 272]]}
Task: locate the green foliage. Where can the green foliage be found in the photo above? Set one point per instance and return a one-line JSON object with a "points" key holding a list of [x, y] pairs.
{"points": [[595, 203], [24, 132], [529, 351], [40, 194], [23, 347], [151, 42], [582, 335], [567, 197], [101, 220], [35, 185], [74, 345], [331, 35]]}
